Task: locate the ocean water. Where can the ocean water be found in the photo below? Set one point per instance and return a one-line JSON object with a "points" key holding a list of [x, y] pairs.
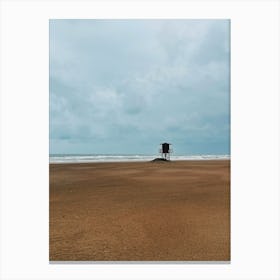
{"points": [[127, 158]]}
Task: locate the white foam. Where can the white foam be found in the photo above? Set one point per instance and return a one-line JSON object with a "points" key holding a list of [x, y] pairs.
{"points": [[127, 158]]}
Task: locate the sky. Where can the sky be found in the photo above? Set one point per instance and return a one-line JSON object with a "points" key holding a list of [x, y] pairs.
{"points": [[125, 86]]}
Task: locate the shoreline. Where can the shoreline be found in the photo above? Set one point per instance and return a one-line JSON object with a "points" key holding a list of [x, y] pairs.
{"points": [[142, 161]]}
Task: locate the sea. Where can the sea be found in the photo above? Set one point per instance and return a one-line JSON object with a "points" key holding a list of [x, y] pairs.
{"points": [[77, 158]]}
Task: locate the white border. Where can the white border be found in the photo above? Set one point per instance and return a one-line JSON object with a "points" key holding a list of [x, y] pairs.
{"points": [[254, 142]]}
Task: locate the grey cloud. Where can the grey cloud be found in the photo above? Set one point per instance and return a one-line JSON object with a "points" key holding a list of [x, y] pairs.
{"points": [[137, 82]]}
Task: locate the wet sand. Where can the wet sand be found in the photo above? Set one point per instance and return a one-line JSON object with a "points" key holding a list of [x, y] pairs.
{"points": [[142, 211]]}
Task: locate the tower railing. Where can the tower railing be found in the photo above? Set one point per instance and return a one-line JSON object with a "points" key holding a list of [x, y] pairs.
{"points": [[165, 155]]}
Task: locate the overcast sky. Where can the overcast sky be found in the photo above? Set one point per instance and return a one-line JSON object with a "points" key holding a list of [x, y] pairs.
{"points": [[125, 86]]}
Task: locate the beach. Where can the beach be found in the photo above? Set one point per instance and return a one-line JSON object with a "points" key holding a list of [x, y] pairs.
{"points": [[140, 211]]}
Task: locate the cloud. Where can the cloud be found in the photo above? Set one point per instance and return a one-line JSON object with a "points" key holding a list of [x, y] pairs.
{"points": [[130, 84]]}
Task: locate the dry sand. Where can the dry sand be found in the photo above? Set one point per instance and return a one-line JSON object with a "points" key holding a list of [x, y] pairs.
{"points": [[142, 211]]}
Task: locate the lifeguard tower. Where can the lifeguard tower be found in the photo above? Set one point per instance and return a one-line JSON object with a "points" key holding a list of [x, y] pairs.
{"points": [[165, 150]]}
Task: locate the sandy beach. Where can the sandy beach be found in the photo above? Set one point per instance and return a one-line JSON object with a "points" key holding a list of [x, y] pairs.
{"points": [[140, 211]]}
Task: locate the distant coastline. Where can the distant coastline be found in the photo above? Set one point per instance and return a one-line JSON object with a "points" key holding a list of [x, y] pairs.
{"points": [[87, 158]]}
